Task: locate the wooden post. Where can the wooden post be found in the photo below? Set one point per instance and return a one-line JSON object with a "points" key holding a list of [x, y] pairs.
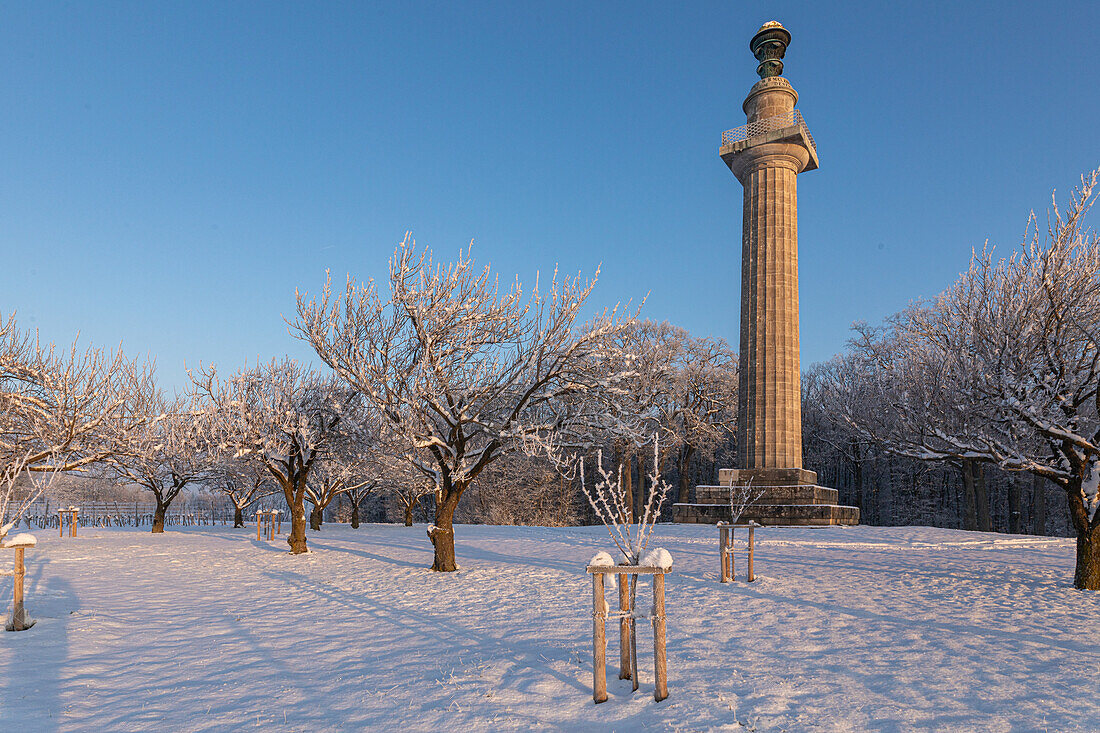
{"points": [[660, 674], [60, 522], [723, 552], [733, 558], [599, 640], [18, 613], [633, 637], [752, 526], [74, 522], [271, 526], [624, 627], [259, 520]]}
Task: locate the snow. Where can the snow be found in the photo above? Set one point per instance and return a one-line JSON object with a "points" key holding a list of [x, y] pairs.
{"points": [[847, 629], [601, 560], [23, 538], [657, 558]]}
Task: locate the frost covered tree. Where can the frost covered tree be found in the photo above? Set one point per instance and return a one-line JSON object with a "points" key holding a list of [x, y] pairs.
{"points": [[833, 393], [64, 409], [356, 496], [518, 489], [410, 493], [1004, 368], [15, 499], [681, 386], [243, 482], [340, 476], [355, 466], [700, 412], [284, 416], [915, 399], [1026, 329], [167, 453], [460, 370]]}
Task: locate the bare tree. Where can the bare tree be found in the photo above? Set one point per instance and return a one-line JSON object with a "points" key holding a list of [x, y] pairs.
{"points": [[1004, 368], [332, 478], [410, 494], [64, 409], [741, 497], [167, 453], [12, 505], [917, 399], [520, 489], [356, 496], [282, 415], [1028, 329], [459, 369], [244, 482], [700, 413]]}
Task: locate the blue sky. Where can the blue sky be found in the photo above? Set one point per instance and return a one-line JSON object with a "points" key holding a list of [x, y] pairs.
{"points": [[170, 173]]}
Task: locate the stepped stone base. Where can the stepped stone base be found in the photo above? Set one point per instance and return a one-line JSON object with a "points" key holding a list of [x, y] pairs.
{"points": [[769, 515], [790, 496]]}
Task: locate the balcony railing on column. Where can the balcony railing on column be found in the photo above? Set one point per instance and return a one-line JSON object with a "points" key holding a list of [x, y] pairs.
{"points": [[768, 124]]}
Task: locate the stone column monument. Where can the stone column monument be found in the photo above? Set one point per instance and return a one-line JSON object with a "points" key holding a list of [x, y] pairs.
{"points": [[766, 155]]}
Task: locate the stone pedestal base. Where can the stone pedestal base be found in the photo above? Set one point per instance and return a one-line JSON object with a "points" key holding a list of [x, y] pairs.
{"points": [[790, 496]]}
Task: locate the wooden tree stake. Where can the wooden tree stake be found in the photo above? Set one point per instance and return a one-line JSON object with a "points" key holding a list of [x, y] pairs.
{"points": [[723, 552], [624, 628], [752, 577], [660, 674], [599, 640], [18, 613]]}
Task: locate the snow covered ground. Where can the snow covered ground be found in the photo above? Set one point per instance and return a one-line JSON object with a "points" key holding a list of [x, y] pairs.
{"points": [[862, 628]]}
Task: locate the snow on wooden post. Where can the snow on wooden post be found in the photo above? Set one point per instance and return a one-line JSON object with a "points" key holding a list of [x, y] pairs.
{"points": [[71, 513], [656, 563], [725, 550], [599, 640], [19, 543]]}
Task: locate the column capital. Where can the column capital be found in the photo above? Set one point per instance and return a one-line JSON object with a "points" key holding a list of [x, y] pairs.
{"points": [[793, 155]]}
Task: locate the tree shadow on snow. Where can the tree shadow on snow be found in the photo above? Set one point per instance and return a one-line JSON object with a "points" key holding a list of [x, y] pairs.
{"points": [[33, 688], [370, 555], [432, 629]]}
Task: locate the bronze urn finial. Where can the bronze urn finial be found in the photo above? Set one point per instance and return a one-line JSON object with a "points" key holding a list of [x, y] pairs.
{"points": [[769, 46]]}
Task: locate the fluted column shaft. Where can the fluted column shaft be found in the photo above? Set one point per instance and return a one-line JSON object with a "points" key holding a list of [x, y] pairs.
{"points": [[769, 428]]}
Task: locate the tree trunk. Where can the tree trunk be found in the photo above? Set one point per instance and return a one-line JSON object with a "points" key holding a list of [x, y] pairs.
{"points": [[355, 515], [158, 516], [1087, 574], [297, 537], [315, 518], [970, 519], [685, 476], [238, 517], [626, 470], [1015, 505], [1038, 505], [409, 514], [442, 535], [981, 498]]}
